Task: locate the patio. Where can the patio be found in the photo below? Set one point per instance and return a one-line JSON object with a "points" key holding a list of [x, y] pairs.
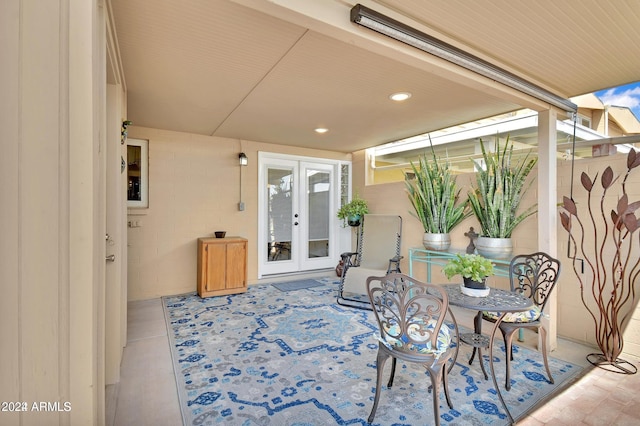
{"points": [[147, 391]]}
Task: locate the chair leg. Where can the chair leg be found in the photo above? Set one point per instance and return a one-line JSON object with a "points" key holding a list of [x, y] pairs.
{"points": [[436, 377], [381, 359], [393, 372], [445, 383], [543, 336]]}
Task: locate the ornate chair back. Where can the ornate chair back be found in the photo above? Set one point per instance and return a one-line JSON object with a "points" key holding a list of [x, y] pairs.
{"points": [[535, 276], [410, 315]]}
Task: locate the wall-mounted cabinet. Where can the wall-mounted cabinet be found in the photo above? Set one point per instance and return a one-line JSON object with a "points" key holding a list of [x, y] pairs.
{"points": [[222, 266]]}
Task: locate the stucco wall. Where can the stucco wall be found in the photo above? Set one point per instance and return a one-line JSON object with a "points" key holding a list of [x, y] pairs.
{"points": [[194, 190], [391, 198], [574, 322]]}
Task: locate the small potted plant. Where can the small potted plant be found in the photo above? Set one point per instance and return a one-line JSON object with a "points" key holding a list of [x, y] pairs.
{"points": [[352, 212], [474, 270]]}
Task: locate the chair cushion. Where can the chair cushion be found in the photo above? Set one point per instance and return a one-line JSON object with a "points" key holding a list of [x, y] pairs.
{"points": [[444, 339], [527, 316]]}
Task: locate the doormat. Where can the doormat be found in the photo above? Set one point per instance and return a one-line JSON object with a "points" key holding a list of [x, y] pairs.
{"points": [[297, 285]]}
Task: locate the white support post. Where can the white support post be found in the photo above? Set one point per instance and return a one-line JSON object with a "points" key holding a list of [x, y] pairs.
{"points": [[547, 210]]}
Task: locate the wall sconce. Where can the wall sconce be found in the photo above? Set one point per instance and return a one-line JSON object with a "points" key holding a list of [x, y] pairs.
{"points": [[243, 162]]}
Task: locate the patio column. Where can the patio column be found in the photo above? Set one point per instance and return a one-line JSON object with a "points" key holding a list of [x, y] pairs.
{"points": [[547, 210]]}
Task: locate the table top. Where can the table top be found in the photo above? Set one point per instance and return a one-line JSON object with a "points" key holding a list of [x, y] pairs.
{"points": [[497, 300]]}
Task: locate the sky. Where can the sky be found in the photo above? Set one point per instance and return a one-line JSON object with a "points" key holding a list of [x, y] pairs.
{"points": [[624, 96]]}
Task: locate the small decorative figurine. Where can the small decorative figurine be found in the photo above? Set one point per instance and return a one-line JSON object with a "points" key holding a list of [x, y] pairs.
{"points": [[472, 236]]}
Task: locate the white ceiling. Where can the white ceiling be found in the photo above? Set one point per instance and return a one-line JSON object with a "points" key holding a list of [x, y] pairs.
{"points": [[272, 71]]}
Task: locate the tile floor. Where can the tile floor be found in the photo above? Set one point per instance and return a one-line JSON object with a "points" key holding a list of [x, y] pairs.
{"points": [[147, 394]]}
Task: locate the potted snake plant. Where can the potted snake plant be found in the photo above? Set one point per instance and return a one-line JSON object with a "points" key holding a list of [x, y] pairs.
{"points": [[434, 195], [501, 183]]}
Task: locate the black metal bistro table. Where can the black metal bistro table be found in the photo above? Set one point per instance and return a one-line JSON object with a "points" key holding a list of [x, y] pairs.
{"points": [[498, 300]]}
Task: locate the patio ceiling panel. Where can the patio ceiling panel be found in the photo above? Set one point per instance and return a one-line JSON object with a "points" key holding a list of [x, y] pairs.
{"points": [[361, 110], [570, 48], [189, 64], [273, 70]]}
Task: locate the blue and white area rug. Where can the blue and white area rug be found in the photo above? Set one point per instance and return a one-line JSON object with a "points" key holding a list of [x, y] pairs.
{"points": [[268, 357]]}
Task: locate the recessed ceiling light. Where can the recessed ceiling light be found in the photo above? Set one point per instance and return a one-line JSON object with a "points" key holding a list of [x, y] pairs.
{"points": [[321, 130], [400, 96]]}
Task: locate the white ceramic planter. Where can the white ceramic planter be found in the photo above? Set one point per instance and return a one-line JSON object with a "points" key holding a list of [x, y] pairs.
{"points": [[473, 292]]}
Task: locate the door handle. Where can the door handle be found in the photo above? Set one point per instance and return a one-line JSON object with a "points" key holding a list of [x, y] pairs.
{"points": [[110, 258]]}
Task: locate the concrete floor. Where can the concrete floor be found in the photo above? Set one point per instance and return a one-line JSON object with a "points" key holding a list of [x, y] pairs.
{"points": [[147, 393]]}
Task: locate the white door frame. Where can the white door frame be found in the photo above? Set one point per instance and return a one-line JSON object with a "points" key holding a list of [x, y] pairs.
{"points": [[298, 261], [265, 163], [306, 262]]}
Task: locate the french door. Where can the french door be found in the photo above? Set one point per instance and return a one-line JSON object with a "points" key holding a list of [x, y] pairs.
{"points": [[296, 217]]}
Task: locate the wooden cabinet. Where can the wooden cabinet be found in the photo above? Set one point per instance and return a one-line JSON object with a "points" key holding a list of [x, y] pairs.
{"points": [[222, 266]]}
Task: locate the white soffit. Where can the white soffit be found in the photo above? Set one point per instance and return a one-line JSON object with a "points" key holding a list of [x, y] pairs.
{"points": [[216, 67]]}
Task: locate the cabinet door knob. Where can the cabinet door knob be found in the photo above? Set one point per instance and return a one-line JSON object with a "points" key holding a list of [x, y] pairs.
{"points": [[295, 223]]}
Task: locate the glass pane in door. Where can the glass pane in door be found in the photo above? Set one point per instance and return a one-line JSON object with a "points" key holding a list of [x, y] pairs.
{"points": [[134, 159], [319, 214], [280, 188]]}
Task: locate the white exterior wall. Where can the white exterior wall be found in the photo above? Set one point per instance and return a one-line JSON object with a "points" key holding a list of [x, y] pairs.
{"points": [[49, 256]]}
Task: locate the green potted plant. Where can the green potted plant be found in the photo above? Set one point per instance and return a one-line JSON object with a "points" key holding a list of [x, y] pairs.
{"points": [[474, 270], [501, 183], [352, 212], [434, 196]]}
